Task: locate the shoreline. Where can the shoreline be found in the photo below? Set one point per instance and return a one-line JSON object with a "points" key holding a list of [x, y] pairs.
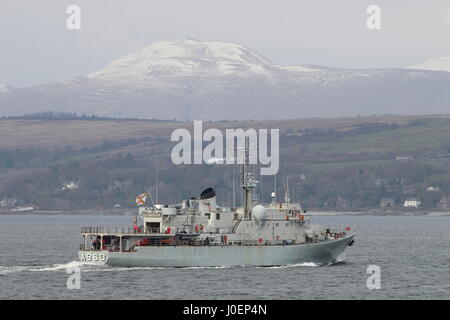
{"points": [[426, 213], [130, 212], [99, 212]]}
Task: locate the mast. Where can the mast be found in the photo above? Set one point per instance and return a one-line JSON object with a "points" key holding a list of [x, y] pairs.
{"points": [[261, 187], [275, 187], [287, 198], [248, 182], [234, 187], [156, 184]]}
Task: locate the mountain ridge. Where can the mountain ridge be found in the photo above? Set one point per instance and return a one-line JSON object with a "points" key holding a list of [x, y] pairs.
{"points": [[192, 80]]}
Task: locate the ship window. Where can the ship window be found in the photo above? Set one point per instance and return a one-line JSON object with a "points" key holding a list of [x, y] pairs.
{"points": [[208, 215], [276, 224], [287, 224], [217, 216]]}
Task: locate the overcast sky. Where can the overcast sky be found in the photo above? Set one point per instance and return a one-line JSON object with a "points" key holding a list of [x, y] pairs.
{"points": [[36, 46]]}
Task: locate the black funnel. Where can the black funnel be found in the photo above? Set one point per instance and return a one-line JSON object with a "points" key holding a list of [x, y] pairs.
{"points": [[208, 193]]}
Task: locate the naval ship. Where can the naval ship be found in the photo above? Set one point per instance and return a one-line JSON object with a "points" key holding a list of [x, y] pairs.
{"points": [[199, 233]]}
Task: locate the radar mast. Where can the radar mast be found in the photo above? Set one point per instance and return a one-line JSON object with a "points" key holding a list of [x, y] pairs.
{"points": [[248, 181]]}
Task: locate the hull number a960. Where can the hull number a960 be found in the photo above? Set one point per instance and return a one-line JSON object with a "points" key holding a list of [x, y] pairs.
{"points": [[93, 257]]}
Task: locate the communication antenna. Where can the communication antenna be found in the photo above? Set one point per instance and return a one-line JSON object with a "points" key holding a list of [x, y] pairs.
{"points": [[275, 188], [156, 185], [286, 195], [151, 198], [234, 186], [261, 186]]}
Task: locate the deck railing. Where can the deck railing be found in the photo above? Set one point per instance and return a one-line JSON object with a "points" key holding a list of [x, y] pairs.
{"points": [[181, 243], [116, 230]]}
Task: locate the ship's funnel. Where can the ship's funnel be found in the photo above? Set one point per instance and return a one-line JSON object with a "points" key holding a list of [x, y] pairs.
{"points": [[207, 200], [208, 193]]}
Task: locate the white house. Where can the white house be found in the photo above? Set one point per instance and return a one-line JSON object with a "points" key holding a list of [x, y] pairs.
{"points": [[404, 158], [412, 203], [70, 186], [8, 202]]}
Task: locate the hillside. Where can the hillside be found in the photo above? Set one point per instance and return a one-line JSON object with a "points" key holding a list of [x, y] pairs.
{"points": [[344, 163]]}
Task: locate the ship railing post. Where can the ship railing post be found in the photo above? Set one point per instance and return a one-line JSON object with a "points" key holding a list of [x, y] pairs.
{"points": [[120, 244], [101, 242]]}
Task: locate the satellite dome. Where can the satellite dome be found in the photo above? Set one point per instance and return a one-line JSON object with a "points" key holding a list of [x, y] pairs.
{"points": [[258, 213]]}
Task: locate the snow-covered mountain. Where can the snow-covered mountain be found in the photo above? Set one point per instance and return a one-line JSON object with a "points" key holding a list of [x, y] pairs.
{"points": [[436, 64], [189, 79], [184, 58], [190, 58]]}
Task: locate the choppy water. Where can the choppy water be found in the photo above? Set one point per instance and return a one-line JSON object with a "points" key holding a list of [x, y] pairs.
{"points": [[412, 252]]}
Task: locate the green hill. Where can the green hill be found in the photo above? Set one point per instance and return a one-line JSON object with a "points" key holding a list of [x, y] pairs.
{"points": [[344, 163]]}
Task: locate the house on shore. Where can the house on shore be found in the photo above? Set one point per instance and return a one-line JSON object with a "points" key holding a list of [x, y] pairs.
{"points": [[387, 203], [412, 203], [444, 203]]}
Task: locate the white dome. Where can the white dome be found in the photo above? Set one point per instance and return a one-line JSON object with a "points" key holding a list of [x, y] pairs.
{"points": [[258, 213]]}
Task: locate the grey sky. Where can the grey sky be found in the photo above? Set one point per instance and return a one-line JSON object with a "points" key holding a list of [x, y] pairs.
{"points": [[36, 47]]}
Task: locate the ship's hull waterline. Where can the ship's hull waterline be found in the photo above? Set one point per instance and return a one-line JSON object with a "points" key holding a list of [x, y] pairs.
{"points": [[320, 253]]}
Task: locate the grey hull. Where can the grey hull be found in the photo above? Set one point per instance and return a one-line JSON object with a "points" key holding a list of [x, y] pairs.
{"points": [[204, 256]]}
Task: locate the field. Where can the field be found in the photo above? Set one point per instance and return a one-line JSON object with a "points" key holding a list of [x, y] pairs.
{"points": [[59, 134]]}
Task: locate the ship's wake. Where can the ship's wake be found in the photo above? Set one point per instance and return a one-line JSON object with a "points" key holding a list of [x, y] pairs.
{"points": [[4, 270], [294, 265], [112, 269], [89, 267]]}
